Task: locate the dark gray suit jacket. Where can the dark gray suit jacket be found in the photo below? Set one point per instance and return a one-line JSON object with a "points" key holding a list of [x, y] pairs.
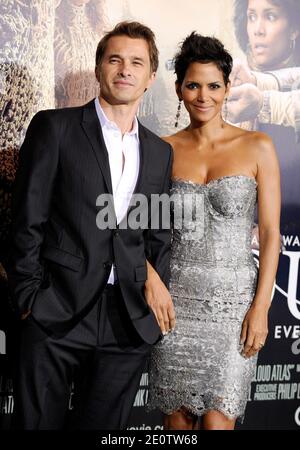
{"points": [[60, 261]]}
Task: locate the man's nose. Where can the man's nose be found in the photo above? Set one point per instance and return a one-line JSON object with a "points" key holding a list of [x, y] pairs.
{"points": [[125, 69]]}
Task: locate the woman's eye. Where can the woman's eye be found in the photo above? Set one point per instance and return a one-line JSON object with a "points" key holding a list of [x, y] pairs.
{"points": [[251, 17], [272, 17], [214, 86], [192, 86]]}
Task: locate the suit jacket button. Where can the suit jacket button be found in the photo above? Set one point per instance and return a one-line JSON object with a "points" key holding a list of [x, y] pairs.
{"points": [[116, 233]]}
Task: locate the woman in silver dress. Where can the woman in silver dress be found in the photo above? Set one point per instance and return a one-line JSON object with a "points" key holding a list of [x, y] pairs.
{"points": [[205, 365]]}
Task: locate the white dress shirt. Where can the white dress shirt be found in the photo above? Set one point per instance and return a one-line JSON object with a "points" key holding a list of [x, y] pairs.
{"points": [[121, 150]]}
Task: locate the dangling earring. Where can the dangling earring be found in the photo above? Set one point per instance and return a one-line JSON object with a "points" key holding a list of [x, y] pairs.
{"points": [[225, 110], [178, 113]]}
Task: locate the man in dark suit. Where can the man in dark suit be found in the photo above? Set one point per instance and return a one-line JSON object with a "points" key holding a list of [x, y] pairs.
{"points": [[82, 290]]}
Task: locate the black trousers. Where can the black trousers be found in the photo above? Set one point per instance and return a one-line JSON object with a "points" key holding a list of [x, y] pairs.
{"points": [[103, 353]]}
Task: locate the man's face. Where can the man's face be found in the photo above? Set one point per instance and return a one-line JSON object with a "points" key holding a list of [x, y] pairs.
{"points": [[125, 71]]}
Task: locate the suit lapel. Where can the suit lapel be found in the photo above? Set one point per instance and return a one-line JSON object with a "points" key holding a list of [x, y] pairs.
{"points": [[91, 126], [144, 154]]}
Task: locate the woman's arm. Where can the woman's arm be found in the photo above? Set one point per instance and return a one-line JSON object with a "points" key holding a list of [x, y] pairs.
{"points": [[286, 79], [247, 102], [159, 300], [278, 80], [255, 324], [281, 108]]}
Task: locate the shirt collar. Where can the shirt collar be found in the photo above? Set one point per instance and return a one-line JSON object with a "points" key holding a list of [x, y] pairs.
{"points": [[109, 124]]}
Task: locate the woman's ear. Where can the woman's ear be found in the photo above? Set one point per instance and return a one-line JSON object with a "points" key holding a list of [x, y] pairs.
{"points": [[227, 90], [178, 90]]}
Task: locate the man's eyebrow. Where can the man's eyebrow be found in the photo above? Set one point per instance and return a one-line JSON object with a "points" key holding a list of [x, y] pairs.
{"points": [[114, 55], [138, 58], [117, 55]]}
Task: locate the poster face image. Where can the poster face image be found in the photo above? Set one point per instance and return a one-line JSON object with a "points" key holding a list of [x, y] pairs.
{"points": [[47, 61]]}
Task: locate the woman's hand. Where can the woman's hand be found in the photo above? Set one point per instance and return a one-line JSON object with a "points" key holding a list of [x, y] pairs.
{"points": [[254, 330], [159, 300], [241, 74], [244, 103]]}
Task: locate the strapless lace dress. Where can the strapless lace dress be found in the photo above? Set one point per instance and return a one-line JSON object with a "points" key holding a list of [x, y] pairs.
{"points": [[213, 281]]}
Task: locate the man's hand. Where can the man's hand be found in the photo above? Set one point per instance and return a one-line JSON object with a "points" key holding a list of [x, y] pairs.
{"points": [[159, 300], [244, 103], [241, 74]]}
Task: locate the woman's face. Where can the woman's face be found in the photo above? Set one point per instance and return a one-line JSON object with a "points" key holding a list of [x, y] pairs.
{"points": [[269, 33], [202, 91]]}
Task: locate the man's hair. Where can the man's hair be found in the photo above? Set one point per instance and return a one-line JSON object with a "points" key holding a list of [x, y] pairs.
{"points": [[203, 49], [133, 30]]}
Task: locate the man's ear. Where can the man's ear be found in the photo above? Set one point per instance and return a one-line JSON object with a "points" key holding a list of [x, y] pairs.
{"points": [[151, 80], [97, 73]]}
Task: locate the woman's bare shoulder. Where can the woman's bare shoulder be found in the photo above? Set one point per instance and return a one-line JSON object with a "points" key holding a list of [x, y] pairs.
{"points": [[253, 140], [254, 136], [174, 139], [260, 143], [167, 139]]}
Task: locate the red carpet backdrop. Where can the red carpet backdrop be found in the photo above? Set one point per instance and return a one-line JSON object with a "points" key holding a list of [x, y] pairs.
{"points": [[47, 50]]}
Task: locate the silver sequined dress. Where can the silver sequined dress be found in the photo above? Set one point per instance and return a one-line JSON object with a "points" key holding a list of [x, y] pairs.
{"points": [[213, 281]]}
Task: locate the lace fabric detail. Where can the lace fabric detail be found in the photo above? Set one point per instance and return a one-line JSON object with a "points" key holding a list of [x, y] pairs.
{"points": [[199, 365]]}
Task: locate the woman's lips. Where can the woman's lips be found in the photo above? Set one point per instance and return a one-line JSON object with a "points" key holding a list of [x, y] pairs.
{"points": [[203, 108], [260, 48]]}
